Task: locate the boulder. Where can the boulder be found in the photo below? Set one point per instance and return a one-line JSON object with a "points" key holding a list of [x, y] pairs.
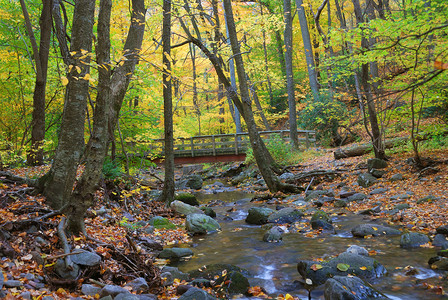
{"points": [[310, 195], [201, 224], [439, 263], [184, 208], [175, 253], [233, 170], [321, 220], [363, 230], [396, 177], [258, 215], [356, 197], [285, 215], [138, 285], [90, 290], [208, 211], [150, 243], [126, 296], [376, 163], [191, 181], [377, 173], [274, 235], [196, 294], [233, 282], [355, 249], [187, 198], [86, 258], [413, 240], [366, 180], [343, 265], [112, 290], [442, 229], [175, 273], [350, 288], [427, 199], [401, 206]]}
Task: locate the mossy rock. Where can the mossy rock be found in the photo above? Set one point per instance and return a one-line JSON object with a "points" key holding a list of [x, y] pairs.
{"points": [[321, 215], [208, 211], [161, 223], [187, 198]]}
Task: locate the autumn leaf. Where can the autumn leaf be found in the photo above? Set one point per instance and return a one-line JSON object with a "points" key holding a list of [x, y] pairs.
{"points": [[64, 80], [363, 268], [342, 267], [316, 267]]}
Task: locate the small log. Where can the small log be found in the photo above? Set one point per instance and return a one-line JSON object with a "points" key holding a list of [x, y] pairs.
{"points": [[366, 148]]}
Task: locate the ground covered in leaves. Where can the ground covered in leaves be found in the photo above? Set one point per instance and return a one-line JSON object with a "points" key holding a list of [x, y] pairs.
{"points": [[30, 244]]}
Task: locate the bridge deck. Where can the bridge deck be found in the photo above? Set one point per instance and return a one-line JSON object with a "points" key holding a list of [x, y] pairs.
{"points": [[224, 147]]}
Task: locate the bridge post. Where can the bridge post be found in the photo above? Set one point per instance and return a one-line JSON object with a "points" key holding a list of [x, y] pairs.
{"points": [[236, 143], [214, 145], [307, 140], [192, 146]]}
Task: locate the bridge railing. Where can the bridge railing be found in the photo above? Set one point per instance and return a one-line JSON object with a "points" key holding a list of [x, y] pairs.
{"points": [[226, 144]]}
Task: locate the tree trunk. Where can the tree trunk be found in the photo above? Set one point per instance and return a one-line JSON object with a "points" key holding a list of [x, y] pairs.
{"points": [[359, 150], [197, 108], [82, 196], [122, 74], [61, 177], [375, 133], [311, 67], [262, 156], [35, 155], [237, 116], [168, 186], [289, 74]]}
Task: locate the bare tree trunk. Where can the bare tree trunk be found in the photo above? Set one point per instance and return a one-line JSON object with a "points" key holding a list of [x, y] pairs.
{"points": [[61, 177], [122, 74], [168, 186], [237, 116], [36, 154], [289, 74], [197, 108], [262, 156], [312, 75], [376, 135]]}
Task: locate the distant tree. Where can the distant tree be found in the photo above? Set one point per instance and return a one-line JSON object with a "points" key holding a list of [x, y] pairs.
{"points": [[35, 154]]}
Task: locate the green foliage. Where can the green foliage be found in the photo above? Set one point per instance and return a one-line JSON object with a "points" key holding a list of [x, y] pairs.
{"points": [[282, 151], [111, 169], [124, 222], [325, 116]]}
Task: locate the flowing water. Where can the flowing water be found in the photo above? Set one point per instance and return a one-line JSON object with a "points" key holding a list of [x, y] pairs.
{"points": [[273, 265]]}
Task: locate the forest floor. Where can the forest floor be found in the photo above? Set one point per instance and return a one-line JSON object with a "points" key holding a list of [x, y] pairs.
{"points": [[23, 234]]}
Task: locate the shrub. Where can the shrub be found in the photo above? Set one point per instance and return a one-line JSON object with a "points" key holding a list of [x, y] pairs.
{"points": [[325, 116], [111, 169]]}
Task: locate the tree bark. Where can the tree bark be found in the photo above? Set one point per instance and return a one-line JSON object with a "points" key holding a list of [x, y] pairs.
{"points": [[375, 133], [168, 186], [289, 74], [311, 67], [122, 75], [35, 155], [262, 156], [366, 148], [61, 177], [82, 196]]}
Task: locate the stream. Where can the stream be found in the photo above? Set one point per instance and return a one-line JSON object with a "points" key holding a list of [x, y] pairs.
{"points": [[273, 265]]}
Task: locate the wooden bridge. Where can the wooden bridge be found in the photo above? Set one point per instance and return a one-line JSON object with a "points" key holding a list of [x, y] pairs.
{"points": [[223, 147]]}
